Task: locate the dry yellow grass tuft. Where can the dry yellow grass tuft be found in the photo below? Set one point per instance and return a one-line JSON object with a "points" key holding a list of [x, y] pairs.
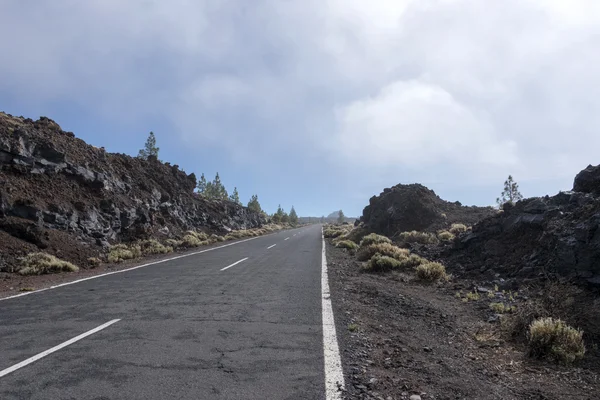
{"points": [[553, 339], [122, 252], [43, 263], [431, 271], [455, 229], [418, 237], [386, 249]]}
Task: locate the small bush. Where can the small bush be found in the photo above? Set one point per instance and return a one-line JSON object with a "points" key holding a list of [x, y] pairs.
{"points": [[94, 261], [456, 229], [191, 241], [198, 235], [431, 271], [501, 308], [382, 263], [473, 296], [374, 238], [553, 339], [174, 243], [332, 233], [445, 236], [386, 249], [352, 327], [122, 252], [154, 247], [412, 261], [418, 237], [43, 263], [347, 244]]}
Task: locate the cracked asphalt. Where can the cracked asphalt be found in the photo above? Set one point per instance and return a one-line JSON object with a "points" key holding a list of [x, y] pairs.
{"points": [[187, 330]]}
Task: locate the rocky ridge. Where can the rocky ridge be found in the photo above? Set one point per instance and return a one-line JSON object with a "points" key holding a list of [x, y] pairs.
{"points": [[69, 198]]}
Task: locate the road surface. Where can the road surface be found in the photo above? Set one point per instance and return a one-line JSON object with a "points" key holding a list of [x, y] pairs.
{"points": [[238, 322]]}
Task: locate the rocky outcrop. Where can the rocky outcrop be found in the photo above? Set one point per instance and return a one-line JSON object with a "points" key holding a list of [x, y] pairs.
{"points": [[51, 181], [539, 237], [414, 207]]}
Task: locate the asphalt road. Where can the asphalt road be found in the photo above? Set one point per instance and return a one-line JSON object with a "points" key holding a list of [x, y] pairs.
{"points": [[187, 329]]}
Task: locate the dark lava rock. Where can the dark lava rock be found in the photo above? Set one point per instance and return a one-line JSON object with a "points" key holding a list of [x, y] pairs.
{"points": [[51, 181], [539, 237], [588, 180], [414, 207]]}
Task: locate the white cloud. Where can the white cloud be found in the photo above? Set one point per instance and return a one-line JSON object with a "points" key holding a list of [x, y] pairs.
{"points": [[417, 124], [445, 88]]}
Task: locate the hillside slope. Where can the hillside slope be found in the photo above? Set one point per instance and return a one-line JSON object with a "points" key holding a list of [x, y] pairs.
{"points": [[72, 199]]}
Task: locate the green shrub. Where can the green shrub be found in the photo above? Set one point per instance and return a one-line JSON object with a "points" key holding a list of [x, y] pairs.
{"points": [[418, 237], [455, 229], [332, 233], [382, 263], [122, 252], [445, 236], [154, 247], [191, 241], [174, 243], [412, 261], [347, 244], [198, 235], [43, 263], [386, 249], [501, 308], [553, 339], [374, 238], [431, 271]]}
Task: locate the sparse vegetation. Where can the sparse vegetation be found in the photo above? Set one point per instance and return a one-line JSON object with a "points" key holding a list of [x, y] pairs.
{"points": [[347, 244], [153, 246], [352, 327], [26, 289], [43, 263], [174, 243], [473, 296], [386, 249], [553, 339], [445, 236], [431, 271], [94, 261], [191, 241], [382, 263], [374, 238], [510, 194], [418, 237], [412, 261], [456, 229], [501, 308], [122, 252]]}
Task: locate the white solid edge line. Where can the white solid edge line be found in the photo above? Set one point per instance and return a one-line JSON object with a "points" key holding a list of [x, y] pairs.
{"points": [[235, 263], [56, 348], [270, 247], [334, 376], [127, 269]]}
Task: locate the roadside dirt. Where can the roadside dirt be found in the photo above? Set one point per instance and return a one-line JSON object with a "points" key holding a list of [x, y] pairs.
{"points": [[401, 338]]}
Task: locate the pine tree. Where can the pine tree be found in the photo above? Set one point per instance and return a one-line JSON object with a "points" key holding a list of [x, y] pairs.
{"points": [[285, 218], [510, 194], [293, 217], [150, 148], [235, 197], [254, 205], [215, 189], [202, 185], [341, 217], [278, 216]]}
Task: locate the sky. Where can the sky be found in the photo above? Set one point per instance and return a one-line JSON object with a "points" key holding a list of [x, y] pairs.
{"points": [[320, 104]]}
